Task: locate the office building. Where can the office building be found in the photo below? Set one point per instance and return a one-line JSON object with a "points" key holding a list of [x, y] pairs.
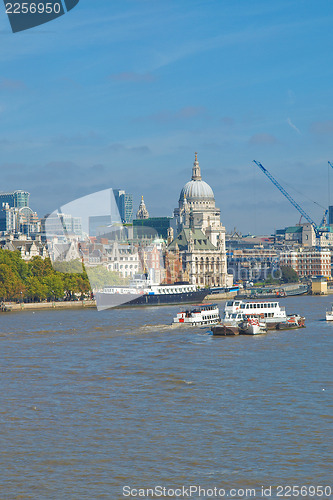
{"points": [[16, 199], [124, 203]]}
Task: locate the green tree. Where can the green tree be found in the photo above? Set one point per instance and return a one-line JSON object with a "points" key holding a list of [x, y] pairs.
{"points": [[40, 267], [288, 275], [11, 286], [70, 285], [35, 290], [54, 286]]}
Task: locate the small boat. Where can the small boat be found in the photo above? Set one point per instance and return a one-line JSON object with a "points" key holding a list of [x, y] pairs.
{"points": [[226, 328], [200, 315], [329, 314], [253, 326], [293, 321]]}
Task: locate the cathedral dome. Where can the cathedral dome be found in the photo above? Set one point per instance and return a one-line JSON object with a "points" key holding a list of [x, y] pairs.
{"points": [[196, 188]]}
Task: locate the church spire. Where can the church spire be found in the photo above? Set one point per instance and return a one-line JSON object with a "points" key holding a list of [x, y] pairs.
{"points": [[196, 174]]}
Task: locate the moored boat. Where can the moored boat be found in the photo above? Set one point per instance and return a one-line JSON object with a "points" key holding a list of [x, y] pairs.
{"points": [[268, 311], [200, 315], [253, 326], [329, 314], [293, 321], [226, 328], [141, 292]]}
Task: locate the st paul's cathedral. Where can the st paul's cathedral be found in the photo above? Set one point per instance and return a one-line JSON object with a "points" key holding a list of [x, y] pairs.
{"points": [[199, 235]]}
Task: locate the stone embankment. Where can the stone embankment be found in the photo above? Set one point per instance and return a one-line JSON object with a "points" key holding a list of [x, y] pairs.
{"points": [[22, 306]]}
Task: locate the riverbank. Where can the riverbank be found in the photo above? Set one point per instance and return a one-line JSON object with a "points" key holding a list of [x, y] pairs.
{"points": [[221, 296], [11, 306]]}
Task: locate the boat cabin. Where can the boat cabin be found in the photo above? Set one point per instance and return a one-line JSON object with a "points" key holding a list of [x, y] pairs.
{"points": [[236, 309]]}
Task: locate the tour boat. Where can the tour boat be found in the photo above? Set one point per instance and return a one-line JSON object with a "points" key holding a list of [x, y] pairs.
{"points": [[200, 315], [329, 314], [255, 317], [270, 311]]}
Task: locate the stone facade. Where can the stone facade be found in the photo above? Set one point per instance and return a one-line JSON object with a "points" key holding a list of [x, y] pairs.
{"points": [[200, 236], [142, 213]]}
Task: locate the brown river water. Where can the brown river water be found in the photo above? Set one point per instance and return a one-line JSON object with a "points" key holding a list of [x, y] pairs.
{"points": [[92, 402]]}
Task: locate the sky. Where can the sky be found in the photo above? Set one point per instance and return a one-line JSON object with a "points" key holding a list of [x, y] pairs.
{"points": [[120, 94]]}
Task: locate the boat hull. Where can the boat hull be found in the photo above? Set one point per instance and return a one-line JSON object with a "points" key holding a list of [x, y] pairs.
{"points": [[292, 323], [225, 330], [253, 327]]}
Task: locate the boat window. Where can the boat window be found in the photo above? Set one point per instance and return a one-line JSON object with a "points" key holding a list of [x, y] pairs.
{"points": [[247, 306], [229, 304]]}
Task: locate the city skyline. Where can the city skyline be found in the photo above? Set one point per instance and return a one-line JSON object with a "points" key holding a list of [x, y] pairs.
{"points": [[123, 94], [130, 215]]}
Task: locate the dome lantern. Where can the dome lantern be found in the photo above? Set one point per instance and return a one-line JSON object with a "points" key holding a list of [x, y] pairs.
{"points": [[196, 189], [196, 174]]}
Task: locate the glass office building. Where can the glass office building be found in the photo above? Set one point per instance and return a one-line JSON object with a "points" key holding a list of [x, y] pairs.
{"points": [[124, 202], [16, 199]]}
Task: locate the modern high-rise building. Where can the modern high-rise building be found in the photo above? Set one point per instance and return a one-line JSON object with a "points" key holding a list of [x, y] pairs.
{"points": [[330, 214], [15, 214], [16, 199], [59, 224], [124, 202], [18, 220]]}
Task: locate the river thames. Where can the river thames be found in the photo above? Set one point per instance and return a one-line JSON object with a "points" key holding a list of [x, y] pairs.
{"points": [[96, 401]]}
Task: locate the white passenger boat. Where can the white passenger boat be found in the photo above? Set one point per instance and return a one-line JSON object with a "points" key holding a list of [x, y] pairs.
{"points": [[200, 315], [255, 317], [274, 316], [270, 311], [329, 314]]}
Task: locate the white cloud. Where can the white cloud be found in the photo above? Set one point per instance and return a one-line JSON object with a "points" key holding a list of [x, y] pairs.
{"points": [[290, 123]]}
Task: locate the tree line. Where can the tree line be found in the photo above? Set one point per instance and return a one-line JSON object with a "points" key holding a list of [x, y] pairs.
{"points": [[37, 280]]}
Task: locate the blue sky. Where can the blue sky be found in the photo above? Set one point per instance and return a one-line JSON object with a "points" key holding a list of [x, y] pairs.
{"points": [[121, 94]]}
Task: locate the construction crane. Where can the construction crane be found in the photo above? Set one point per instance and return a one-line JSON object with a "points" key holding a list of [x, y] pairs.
{"points": [[292, 201]]}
